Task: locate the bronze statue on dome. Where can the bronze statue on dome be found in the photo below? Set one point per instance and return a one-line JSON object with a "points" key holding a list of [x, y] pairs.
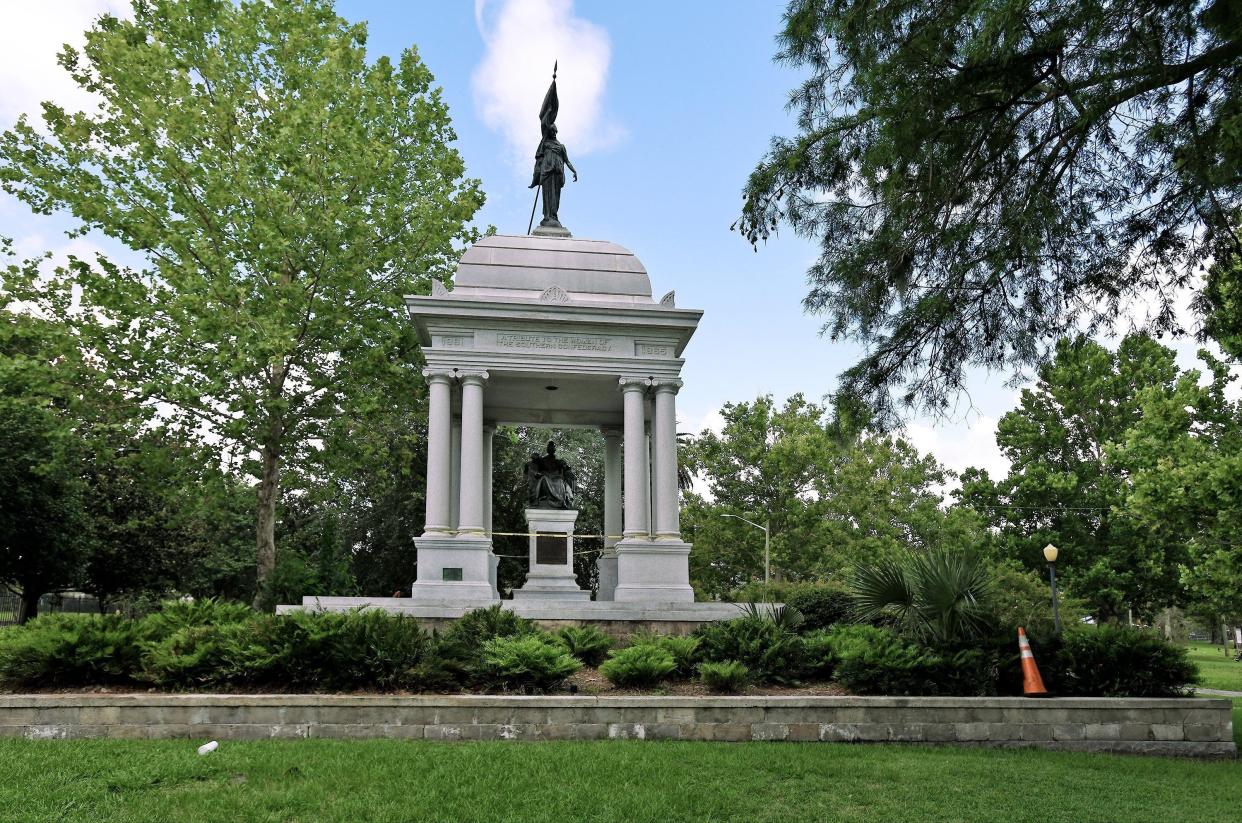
{"points": [[551, 158]]}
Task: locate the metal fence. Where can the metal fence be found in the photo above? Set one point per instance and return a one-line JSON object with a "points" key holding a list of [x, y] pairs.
{"points": [[69, 602]]}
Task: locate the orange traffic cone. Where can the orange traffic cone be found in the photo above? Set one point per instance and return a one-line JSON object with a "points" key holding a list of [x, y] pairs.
{"points": [[1032, 683]]}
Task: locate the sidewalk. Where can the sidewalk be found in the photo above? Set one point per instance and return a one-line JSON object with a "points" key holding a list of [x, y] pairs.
{"points": [[1217, 693]]}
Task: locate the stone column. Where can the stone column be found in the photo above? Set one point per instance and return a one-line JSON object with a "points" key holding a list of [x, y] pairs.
{"points": [[455, 475], [471, 494], [664, 448], [606, 565], [488, 433], [612, 488], [633, 391], [439, 414]]}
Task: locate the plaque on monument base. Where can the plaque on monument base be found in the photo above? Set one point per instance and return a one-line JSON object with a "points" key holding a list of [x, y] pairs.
{"points": [[551, 575]]}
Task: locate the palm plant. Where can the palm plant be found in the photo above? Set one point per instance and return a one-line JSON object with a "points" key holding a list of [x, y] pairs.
{"points": [[939, 596]]}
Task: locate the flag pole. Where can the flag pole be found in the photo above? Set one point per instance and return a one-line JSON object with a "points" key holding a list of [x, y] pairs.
{"points": [[532, 209]]}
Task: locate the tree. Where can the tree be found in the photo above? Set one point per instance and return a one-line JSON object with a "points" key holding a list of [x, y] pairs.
{"points": [[44, 538], [44, 528], [833, 498], [1183, 461], [983, 179], [1064, 486], [284, 192]]}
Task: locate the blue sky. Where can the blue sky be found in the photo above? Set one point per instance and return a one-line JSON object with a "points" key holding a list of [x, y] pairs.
{"points": [[665, 109]]}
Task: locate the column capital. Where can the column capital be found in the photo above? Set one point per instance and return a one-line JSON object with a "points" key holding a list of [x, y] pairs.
{"points": [[437, 375], [629, 384], [475, 377], [667, 384]]}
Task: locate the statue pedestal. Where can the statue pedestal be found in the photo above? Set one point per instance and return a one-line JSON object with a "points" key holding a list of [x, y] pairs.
{"points": [[551, 575]]}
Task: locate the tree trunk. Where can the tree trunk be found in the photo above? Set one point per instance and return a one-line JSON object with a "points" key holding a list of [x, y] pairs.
{"points": [[29, 607], [269, 491]]}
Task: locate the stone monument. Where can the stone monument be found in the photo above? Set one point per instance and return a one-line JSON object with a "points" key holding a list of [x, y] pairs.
{"points": [[550, 517]]}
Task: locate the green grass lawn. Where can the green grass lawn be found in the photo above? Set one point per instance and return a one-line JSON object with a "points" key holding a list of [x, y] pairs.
{"points": [[381, 780], [1219, 671]]}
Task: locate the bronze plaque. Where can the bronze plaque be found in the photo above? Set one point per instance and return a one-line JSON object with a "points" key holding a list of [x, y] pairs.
{"points": [[550, 550]]}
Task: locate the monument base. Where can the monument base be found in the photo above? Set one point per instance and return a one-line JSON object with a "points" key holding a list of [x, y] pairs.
{"points": [[551, 231], [551, 575], [606, 568], [653, 570], [460, 568]]}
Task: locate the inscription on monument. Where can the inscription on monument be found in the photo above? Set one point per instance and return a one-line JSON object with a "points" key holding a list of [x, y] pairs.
{"points": [[454, 342], [550, 550], [653, 350], [562, 342]]}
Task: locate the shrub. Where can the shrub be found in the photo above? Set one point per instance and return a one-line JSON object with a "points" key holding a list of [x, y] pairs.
{"points": [[215, 655], [303, 650], [642, 665], [478, 626], [1122, 661], [173, 615], [526, 662], [58, 650], [772, 653], [684, 651], [340, 651], [873, 660], [729, 677], [818, 655], [586, 643], [821, 606], [457, 655]]}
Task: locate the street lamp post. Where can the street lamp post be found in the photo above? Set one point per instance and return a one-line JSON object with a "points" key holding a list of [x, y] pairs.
{"points": [[767, 544], [1050, 554]]}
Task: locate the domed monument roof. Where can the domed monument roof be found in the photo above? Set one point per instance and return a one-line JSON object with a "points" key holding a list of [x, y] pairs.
{"points": [[525, 267]]}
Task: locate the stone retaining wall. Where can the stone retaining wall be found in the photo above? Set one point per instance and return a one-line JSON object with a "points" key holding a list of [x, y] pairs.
{"points": [[1191, 727]]}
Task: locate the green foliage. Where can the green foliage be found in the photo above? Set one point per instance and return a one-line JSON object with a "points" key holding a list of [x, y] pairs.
{"points": [[174, 615], [212, 656], [684, 651], [483, 624], [817, 646], [643, 665], [1122, 661], [285, 191], [959, 167], [458, 658], [587, 643], [1128, 466], [941, 596], [772, 653], [874, 660], [1022, 597], [832, 498], [529, 662], [728, 677], [66, 650], [821, 606]]}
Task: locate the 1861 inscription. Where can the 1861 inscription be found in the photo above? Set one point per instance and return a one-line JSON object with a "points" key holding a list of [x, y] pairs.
{"points": [[565, 342], [550, 550]]}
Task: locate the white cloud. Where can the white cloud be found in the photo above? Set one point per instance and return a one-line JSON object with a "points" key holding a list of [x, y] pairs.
{"points": [[32, 33], [961, 446], [523, 38]]}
